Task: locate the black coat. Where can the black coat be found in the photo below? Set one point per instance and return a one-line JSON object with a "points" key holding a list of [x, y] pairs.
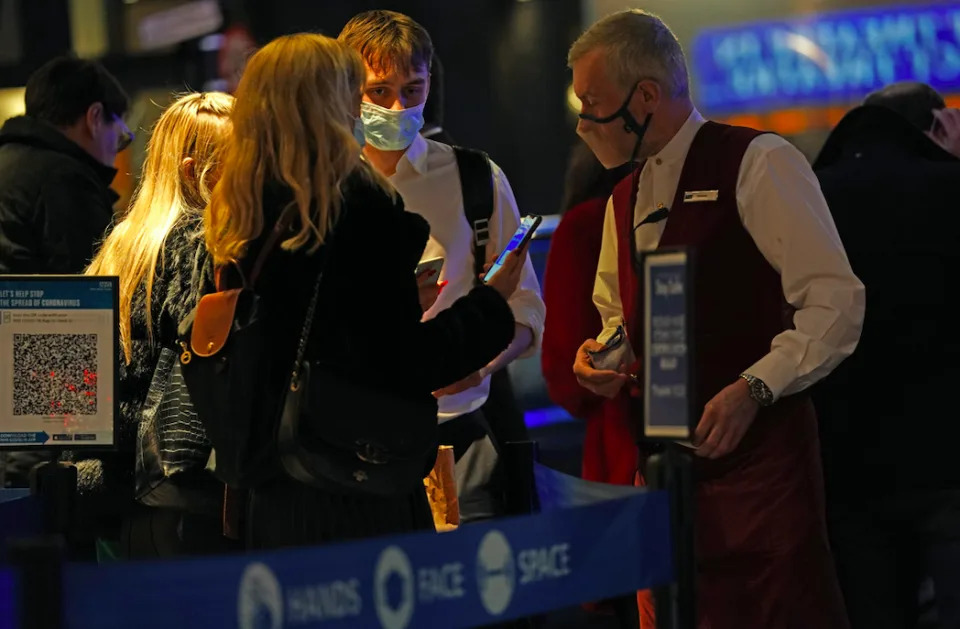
{"points": [[887, 411], [55, 200], [367, 329], [367, 323]]}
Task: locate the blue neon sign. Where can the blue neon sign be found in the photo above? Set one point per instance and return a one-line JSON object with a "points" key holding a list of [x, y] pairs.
{"points": [[826, 58]]}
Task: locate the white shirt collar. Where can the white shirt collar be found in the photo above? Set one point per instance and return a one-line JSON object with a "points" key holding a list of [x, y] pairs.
{"points": [[416, 155], [679, 145]]}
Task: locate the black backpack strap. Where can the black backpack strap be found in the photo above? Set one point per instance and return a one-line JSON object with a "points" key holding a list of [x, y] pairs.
{"points": [[503, 413], [476, 182]]}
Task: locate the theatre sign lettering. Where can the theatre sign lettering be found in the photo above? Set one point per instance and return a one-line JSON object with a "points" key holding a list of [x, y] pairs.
{"points": [[826, 58]]}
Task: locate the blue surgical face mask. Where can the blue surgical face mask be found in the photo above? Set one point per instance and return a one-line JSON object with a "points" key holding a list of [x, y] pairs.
{"points": [[358, 134], [391, 129]]}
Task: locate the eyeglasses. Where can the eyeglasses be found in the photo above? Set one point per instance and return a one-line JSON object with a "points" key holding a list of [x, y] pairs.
{"points": [[126, 135]]}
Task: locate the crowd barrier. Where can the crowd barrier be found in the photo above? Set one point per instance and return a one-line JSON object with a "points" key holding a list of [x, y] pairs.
{"points": [[588, 542]]}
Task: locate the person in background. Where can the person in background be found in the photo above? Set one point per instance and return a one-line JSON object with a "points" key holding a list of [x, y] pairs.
{"points": [[397, 53], [56, 166], [586, 179], [776, 309], [609, 448], [158, 252], [609, 444], [888, 437], [945, 129], [294, 150]]}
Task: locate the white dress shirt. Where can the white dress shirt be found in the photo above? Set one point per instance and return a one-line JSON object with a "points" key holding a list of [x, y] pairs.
{"points": [[428, 180], [783, 210]]}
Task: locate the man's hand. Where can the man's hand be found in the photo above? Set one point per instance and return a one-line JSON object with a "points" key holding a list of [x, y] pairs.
{"points": [[473, 380], [429, 294], [604, 383], [726, 419], [946, 130]]}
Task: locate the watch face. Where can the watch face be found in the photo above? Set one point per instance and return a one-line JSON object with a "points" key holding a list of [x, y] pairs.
{"points": [[758, 390], [762, 393]]}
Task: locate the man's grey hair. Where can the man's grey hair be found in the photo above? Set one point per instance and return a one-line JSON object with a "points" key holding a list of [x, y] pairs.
{"points": [[638, 46]]}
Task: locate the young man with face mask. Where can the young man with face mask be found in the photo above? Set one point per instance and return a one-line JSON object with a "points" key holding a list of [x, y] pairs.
{"points": [[397, 52], [777, 308]]}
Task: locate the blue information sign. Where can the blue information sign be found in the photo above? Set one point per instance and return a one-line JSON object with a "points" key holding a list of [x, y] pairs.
{"points": [[826, 58], [58, 361], [667, 363]]}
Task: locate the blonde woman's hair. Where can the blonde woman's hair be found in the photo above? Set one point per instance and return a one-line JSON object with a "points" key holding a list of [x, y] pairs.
{"points": [[196, 126], [293, 125]]}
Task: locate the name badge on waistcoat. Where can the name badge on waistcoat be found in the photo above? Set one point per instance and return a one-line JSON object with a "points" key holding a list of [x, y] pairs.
{"points": [[697, 196]]}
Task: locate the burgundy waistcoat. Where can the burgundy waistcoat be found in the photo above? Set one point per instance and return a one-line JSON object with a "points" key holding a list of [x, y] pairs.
{"points": [[738, 302], [761, 535]]}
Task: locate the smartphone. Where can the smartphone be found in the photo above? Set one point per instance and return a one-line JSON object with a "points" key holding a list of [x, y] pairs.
{"points": [[528, 225], [428, 271]]}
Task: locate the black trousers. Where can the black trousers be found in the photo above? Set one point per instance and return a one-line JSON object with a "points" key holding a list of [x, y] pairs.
{"points": [[159, 533], [885, 547]]}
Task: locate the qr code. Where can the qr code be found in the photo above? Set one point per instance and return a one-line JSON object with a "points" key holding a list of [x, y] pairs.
{"points": [[55, 374]]}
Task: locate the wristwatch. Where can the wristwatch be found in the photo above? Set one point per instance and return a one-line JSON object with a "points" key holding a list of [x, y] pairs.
{"points": [[759, 390]]}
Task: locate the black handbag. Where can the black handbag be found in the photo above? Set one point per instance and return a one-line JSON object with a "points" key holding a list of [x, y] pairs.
{"points": [[172, 446], [341, 435]]}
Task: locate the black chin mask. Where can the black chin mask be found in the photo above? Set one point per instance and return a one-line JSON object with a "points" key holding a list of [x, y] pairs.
{"points": [[630, 124]]}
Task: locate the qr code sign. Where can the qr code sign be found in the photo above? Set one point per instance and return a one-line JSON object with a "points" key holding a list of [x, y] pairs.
{"points": [[55, 374]]}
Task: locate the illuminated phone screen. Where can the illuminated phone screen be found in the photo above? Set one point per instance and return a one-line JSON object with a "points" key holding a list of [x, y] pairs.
{"points": [[527, 225]]}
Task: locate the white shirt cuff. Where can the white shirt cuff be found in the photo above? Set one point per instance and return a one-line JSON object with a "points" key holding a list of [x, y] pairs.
{"points": [[775, 371]]}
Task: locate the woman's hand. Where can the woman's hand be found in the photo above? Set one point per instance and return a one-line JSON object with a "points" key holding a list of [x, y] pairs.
{"points": [[507, 277], [429, 293]]}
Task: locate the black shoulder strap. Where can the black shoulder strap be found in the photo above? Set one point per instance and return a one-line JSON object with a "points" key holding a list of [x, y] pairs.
{"points": [[476, 182]]}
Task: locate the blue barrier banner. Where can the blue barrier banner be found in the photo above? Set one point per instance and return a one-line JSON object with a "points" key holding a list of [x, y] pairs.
{"points": [[826, 58], [557, 490], [8, 601], [479, 574]]}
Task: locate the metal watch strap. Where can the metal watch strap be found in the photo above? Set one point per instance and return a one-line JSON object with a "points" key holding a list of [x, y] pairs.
{"points": [[759, 390]]}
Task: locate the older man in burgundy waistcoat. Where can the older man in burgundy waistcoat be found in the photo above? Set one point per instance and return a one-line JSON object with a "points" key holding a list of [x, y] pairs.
{"points": [[777, 308]]}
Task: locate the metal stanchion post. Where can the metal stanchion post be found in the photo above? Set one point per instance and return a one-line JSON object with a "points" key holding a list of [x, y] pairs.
{"points": [[672, 470], [56, 486]]}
